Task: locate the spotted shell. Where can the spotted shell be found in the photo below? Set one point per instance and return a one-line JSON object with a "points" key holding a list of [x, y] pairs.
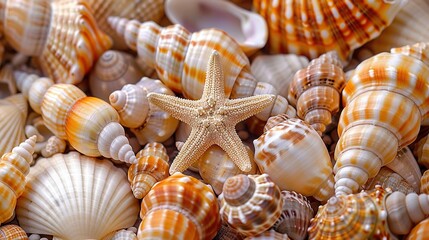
{"points": [[385, 100], [250, 203], [312, 28], [12, 232], [286, 153], [169, 210], [420, 231]]}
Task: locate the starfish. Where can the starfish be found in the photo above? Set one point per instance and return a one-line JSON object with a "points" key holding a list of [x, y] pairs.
{"points": [[212, 119]]}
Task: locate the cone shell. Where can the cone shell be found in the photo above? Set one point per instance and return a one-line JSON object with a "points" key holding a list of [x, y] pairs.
{"points": [[95, 194], [13, 111], [387, 178], [311, 29], [12, 232], [420, 231], [286, 152], [170, 210], [250, 204]]}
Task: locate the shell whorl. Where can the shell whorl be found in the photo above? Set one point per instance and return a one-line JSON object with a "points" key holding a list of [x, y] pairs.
{"points": [[14, 167], [251, 204]]}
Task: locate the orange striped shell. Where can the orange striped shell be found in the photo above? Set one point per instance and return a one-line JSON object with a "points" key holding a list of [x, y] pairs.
{"points": [[12, 232]]}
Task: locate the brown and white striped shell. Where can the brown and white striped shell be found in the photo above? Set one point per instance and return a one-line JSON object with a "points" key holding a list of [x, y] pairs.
{"points": [[250, 203], [179, 207], [12, 232], [151, 167], [287, 152]]}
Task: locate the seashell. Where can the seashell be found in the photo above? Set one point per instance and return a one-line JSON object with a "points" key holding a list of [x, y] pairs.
{"points": [[295, 217], [111, 72], [141, 10], [250, 203], [387, 178], [61, 34], [237, 22], [72, 196], [286, 152], [169, 210], [305, 28], [269, 235], [53, 146], [215, 167], [406, 166], [424, 183], [7, 82], [12, 232], [382, 114], [151, 167], [421, 150], [228, 233], [278, 70], [14, 167], [13, 111], [420, 231], [124, 235], [316, 90], [148, 122]]}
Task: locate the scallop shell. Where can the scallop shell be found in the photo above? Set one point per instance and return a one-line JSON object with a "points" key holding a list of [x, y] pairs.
{"points": [[13, 111], [420, 231], [424, 183], [406, 166], [250, 204], [71, 196], [7, 82], [385, 100], [269, 235], [151, 167], [12, 232], [286, 152], [295, 217], [170, 210], [312, 28], [387, 178], [14, 167], [111, 72], [237, 22], [62, 34]]}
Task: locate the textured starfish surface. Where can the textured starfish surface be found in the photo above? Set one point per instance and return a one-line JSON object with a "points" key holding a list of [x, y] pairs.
{"points": [[212, 119]]}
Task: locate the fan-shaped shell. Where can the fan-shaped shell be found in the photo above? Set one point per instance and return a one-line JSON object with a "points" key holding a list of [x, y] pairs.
{"points": [[12, 232], [286, 152], [170, 210], [312, 28], [250, 204], [71, 196]]}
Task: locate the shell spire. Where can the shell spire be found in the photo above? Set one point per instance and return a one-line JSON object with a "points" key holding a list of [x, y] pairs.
{"points": [[14, 167]]}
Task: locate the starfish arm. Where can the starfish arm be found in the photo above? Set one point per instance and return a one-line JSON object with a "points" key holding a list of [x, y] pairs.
{"points": [[179, 108], [214, 82], [195, 146], [233, 146], [242, 108]]}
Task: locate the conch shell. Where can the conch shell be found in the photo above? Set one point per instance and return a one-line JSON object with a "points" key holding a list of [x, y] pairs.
{"points": [[385, 101]]}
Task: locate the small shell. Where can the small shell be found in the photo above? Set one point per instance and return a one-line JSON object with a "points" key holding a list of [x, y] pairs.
{"points": [[7, 82], [151, 167], [269, 235], [250, 204], [95, 194], [406, 166], [14, 167], [387, 178], [424, 183], [286, 152], [12, 232], [179, 207], [236, 22], [420, 231], [111, 72], [421, 150], [124, 235], [53, 146], [295, 217], [228, 233]]}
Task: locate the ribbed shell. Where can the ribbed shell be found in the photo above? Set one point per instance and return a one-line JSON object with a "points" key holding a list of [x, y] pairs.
{"points": [[424, 183], [420, 231], [387, 178], [312, 28], [406, 166], [71, 196], [179, 207], [421, 150], [286, 153], [250, 204], [12, 232], [269, 235], [124, 235]]}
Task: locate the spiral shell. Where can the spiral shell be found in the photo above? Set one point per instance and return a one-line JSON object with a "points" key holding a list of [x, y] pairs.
{"points": [[7, 82], [250, 204], [169, 210], [312, 28], [420, 231], [14, 167], [151, 167], [316, 90], [286, 152], [72, 196], [387, 178], [385, 101], [12, 232], [111, 72]]}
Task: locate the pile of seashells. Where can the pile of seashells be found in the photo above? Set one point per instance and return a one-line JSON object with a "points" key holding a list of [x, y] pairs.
{"points": [[214, 119]]}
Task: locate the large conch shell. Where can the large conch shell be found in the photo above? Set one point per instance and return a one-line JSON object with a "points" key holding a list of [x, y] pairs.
{"points": [[385, 101], [89, 124], [12, 232], [62, 34], [13, 111], [312, 28], [251, 204], [179, 207], [71, 196], [287, 150], [14, 167]]}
